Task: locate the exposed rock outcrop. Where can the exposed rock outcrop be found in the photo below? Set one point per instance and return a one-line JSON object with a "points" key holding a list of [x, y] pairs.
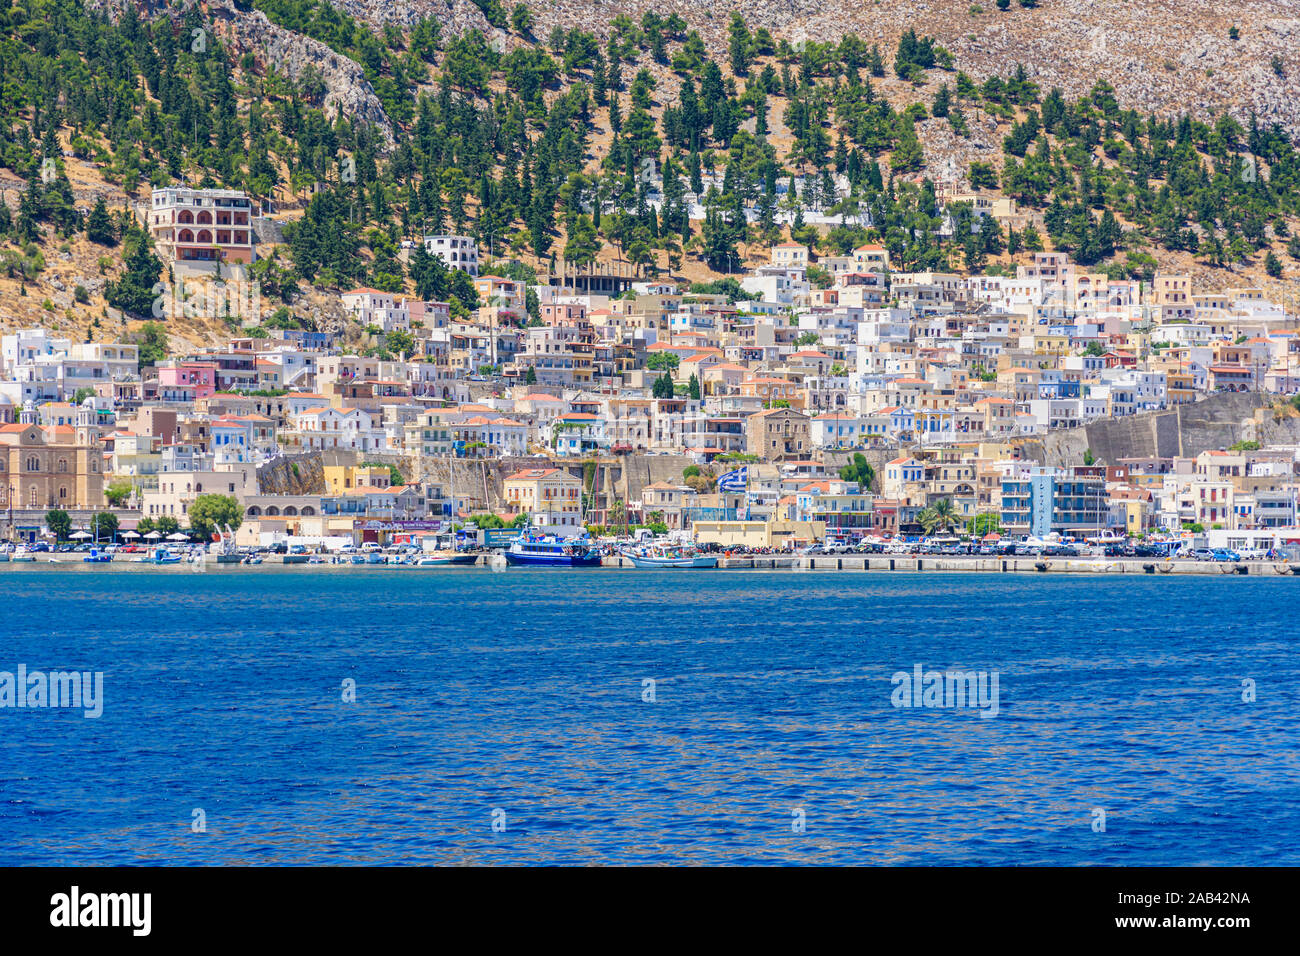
{"points": [[347, 91]]}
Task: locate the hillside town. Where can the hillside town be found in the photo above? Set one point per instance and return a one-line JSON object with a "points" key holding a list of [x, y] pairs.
{"points": [[810, 400]]}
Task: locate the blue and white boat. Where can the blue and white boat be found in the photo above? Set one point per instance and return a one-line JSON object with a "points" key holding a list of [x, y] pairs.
{"points": [[97, 557], [160, 556], [551, 551]]}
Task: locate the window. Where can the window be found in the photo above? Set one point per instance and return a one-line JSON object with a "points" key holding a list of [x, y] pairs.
{"points": [[33, 463]]}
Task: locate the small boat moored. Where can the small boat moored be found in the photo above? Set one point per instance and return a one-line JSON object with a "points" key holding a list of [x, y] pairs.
{"points": [[444, 559], [670, 556]]}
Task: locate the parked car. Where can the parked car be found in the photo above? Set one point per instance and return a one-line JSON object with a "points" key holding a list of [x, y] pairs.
{"points": [[1201, 554], [1226, 554], [1060, 551]]}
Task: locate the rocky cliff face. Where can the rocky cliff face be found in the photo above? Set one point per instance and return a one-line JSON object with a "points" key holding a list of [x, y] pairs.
{"points": [[347, 91], [300, 474], [456, 16]]}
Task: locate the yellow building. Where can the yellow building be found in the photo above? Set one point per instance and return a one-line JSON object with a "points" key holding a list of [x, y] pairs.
{"points": [[1049, 344], [553, 498], [341, 478], [1135, 512], [53, 466], [781, 535]]}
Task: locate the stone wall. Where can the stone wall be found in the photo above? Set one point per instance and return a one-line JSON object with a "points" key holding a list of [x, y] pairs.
{"points": [[1186, 430]]}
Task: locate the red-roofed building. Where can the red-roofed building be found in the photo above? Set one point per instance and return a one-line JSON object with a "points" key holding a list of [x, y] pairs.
{"points": [[552, 498]]}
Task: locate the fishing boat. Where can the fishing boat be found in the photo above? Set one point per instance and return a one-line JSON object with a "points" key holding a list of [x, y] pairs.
{"points": [[22, 554], [551, 551], [670, 556], [97, 557], [162, 556]]}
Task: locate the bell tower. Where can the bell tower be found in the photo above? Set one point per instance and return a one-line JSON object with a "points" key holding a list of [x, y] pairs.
{"points": [[87, 433]]}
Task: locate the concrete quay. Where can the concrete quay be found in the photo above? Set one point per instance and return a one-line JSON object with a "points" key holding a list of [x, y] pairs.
{"points": [[1006, 565]]}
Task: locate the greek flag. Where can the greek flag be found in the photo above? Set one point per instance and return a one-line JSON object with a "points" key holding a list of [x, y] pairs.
{"points": [[734, 481]]}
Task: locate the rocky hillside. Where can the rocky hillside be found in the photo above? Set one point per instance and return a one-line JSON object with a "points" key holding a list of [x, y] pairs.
{"points": [[507, 120], [1162, 56]]}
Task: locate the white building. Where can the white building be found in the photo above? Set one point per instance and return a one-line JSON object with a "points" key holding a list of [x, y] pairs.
{"points": [[458, 252]]}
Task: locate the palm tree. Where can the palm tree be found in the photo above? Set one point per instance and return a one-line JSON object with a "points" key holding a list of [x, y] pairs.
{"points": [[925, 518], [938, 517]]}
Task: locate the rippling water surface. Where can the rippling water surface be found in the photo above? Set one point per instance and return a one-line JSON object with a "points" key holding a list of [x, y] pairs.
{"points": [[522, 692]]}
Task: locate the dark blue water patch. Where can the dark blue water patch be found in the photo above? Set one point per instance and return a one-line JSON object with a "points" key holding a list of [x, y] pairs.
{"points": [[518, 698]]}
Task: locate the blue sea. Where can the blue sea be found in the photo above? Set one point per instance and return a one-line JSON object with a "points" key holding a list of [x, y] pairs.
{"points": [[538, 716]]}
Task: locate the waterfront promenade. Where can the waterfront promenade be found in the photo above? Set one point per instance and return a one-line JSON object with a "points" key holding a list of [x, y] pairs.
{"points": [[992, 564]]}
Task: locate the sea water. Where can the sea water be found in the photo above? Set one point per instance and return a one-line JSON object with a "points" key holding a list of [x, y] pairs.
{"points": [[370, 715]]}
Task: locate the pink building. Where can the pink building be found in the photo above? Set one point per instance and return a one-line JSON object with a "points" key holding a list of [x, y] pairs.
{"points": [[571, 315], [201, 376]]}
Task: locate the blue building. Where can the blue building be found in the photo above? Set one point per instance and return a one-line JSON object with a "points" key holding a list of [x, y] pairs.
{"points": [[1050, 499]]}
